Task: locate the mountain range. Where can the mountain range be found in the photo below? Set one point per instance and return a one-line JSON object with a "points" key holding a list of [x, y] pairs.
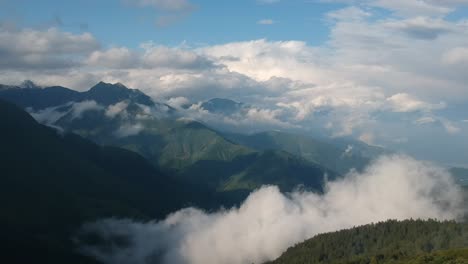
{"points": [[71, 157], [114, 115]]}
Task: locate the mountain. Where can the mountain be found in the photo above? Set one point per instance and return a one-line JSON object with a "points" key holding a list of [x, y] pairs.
{"points": [[222, 106], [411, 241], [340, 156], [32, 96], [248, 172], [108, 94], [192, 152], [51, 183], [185, 149], [461, 175]]}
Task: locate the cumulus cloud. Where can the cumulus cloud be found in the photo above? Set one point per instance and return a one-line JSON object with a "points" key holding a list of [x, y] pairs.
{"points": [[269, 222], [349, 13], [403, 102], [152, 57], [113, 58], [161, 56], [422, 27], [48, 49]]}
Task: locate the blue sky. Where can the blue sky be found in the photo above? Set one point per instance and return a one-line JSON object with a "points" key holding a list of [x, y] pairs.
{"points": [[211, 22]]}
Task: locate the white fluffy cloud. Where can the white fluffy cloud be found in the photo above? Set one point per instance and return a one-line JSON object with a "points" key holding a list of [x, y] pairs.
{"points": [[269, 222], [151, 57], [403, 102], [50, 49]]}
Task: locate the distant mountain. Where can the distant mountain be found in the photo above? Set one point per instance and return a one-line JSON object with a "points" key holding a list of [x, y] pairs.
{"points": [[51, 183], [461, 175], [32, 96], [108, 94], [340, 156], [411, 241], [222, 106]]}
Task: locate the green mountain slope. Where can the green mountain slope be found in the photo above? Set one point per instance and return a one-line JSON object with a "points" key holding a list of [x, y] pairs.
{"points": [[194, 153], [340, 158], [411, 241]]}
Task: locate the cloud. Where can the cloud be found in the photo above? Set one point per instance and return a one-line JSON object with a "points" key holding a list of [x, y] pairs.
{"points": [[406, 8], [268, 1], [269, 222], [119, 108], [266, 22], [458, 55], [47, 116], [422, 27], [449, 126], [414, 7], [79, 108], [50, 115], [349, 13], [168, 11], [52, 49], [425, 120], [165, 5], [117, 58], [127, 130], [152, 57], [162, 56], [403, 102]]}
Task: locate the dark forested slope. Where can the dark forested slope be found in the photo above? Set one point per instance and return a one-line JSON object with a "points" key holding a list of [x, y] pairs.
{"points": [[411, 241]]}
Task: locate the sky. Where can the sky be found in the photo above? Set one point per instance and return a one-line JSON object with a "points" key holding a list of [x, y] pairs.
{"points": [[130, 23], [391, 73]]}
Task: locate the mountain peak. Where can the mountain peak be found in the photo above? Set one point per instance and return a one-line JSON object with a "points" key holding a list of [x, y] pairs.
{"points": [[28, 84], [108, 93], [103, 85], [220, 105]]}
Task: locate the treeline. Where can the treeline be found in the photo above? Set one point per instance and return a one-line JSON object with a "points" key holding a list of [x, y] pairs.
{"points": [[410, 241]]}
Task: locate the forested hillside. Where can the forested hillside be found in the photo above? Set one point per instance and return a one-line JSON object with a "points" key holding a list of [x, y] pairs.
{"points": [[410, 241]]}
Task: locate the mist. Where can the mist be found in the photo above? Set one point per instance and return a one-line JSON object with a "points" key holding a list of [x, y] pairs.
{"points": [[268, 222]]}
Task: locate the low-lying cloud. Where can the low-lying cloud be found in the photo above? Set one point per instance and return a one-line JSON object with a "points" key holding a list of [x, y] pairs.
{"points": [[268, 222]]}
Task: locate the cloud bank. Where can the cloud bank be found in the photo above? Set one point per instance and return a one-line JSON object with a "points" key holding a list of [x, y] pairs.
{"points": [[268, 222]]}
